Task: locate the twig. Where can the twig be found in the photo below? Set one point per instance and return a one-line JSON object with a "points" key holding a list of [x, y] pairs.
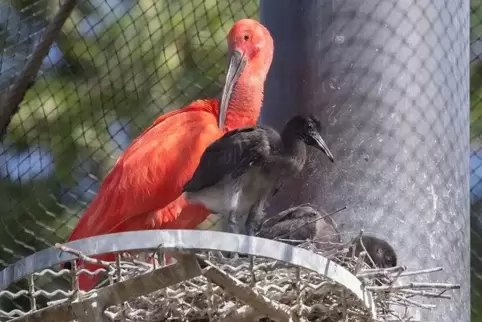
{"points": [[244, 313], [344, 305], [423, 306], [360, 260], [389, 270], [83, 257], [394, 280], [381, 272], [342, 247], [15, 95], [291, 240], [364, 248], [75, 280], [422, 271], [426, 294], [130, 259], [415, 286], [242, 292], [335, 252]]}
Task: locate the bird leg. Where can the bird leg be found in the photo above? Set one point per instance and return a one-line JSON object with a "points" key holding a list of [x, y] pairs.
{"points": [[255, 212], [252, 283], [248, 226], [232, 219], [232, 227]]}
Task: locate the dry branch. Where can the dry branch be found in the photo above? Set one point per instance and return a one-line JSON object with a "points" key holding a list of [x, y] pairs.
{"points": [[246, 294], [10, 104], [83, 257]]}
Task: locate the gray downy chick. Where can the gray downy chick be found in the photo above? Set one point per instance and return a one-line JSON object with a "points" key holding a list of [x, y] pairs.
{"points": [[304, 222], [299, 223], [381, 252]]}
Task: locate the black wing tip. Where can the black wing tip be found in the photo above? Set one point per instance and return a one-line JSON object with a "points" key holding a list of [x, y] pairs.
{"points": [[188, 187]]}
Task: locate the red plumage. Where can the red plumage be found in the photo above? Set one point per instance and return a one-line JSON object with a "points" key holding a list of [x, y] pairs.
{"points": [[143, 190]]}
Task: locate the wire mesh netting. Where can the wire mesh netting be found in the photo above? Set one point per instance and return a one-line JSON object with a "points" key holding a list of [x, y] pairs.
{"points": [[114, 68], [476, 156], [116, 65], [390, 79]]}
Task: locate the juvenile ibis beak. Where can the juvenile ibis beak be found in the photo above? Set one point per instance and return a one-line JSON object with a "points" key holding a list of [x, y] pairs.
{"points": [[321, 145], [237, 62]]}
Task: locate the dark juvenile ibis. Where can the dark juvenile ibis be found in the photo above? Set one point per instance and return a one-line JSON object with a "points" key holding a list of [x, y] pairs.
{"points": [[241, 170], [303, 222]]}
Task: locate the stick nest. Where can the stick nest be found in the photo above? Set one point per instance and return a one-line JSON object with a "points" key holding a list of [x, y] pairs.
{"points": [[305, 295]]}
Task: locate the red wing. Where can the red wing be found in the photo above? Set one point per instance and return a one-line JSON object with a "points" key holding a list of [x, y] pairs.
{"points": [[151, 172]]}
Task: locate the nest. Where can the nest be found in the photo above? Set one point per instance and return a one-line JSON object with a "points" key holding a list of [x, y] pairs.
{"points": [[208, 286], [287, 288], [254, 286]]}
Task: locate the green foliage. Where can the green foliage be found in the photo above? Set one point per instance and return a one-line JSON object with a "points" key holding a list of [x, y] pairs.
{"points": [[475, 19], [476, 139], [476, 73], [476, 102]]}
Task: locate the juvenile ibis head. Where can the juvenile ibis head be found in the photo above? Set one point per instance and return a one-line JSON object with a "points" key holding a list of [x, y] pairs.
{"points": [[308, 129], [250, 52], [380, 251]]}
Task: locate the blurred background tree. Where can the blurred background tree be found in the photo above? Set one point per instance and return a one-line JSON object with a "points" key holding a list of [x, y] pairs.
{"points": [[117, 65], [476, 157]]}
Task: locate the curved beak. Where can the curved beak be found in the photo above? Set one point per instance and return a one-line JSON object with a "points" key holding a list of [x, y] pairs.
{"points": [[237, 62], [321, 145]]}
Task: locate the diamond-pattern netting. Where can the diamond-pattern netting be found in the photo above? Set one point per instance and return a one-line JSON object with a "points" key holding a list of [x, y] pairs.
{"points": [[390, 79], [118, 64], [476, 155]]}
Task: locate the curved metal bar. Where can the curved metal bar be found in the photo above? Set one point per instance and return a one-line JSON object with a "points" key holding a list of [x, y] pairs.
{"points": [[188, 240]]}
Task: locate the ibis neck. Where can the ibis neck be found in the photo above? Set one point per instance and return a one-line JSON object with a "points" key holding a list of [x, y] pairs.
{"points": [[295, 149], [246, 100]]}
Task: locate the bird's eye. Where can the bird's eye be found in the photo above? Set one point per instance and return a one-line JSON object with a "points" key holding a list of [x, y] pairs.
{"points": [[246, 37]]}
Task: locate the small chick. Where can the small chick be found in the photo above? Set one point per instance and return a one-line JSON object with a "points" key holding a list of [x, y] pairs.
{"points": [[303, 222], [381, 252], [299, 223]]}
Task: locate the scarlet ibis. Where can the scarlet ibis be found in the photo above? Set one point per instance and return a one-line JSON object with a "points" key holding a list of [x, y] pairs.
{"points": [[304, 222], [241, 170], [143, 190]]}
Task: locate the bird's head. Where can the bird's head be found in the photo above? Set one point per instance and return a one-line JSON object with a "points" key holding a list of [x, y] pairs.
{"points": [[308, 128], [250, 53], [381, 252]]}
